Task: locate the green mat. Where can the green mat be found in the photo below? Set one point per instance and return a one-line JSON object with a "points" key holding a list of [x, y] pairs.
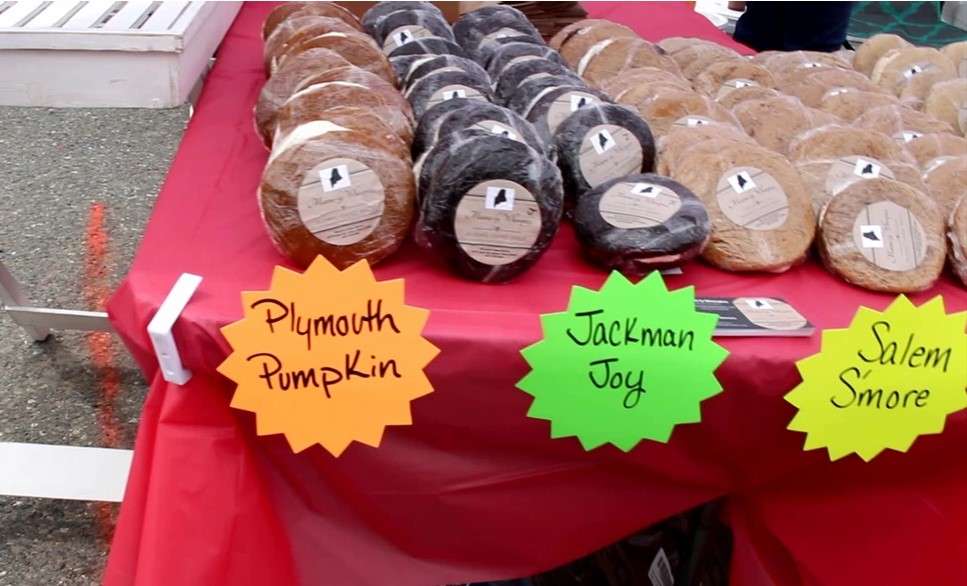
{"points": [[917, 22]]}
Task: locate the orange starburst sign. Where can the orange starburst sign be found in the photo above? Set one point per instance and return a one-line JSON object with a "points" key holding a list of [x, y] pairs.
{"points": [[328, 357]]}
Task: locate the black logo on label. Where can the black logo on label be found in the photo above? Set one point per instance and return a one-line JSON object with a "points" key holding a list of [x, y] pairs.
{"points": [[741, 181], [404, 37], [500, 198], [582, 102], [871, 236], [648, 189], [868, 169], [335, 177], [602, 140]]}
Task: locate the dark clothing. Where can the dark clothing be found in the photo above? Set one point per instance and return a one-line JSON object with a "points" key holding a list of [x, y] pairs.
{"points": [[793, 26]]}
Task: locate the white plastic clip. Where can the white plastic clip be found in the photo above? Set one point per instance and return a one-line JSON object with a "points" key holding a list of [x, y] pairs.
{"points": [[159, 330]]}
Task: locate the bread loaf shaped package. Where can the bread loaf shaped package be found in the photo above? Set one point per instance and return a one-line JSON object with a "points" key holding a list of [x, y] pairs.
{"points": [[615, 86], [507, 54], [883, 235], [946, 181], [775, 122], [762, 216], [296, 30], [581, 36], [849, 103], [742, 94], [358, 49], [600, 142], [531, 90], [957, 53], [897, 67], [288, 10], [512, 76], [610, 58], [665, 107], [476, 31], [443, 85], [496, 120], [404, 26], [832, 157], [404, 58], [900, 122], [381, 10], [640, 223], [927, 147], [875, 47], [811, 87], [551, 108], [723, 77], [680, 139], [304, 106], [491, 209], [947, 102], [283, 83], [336, 192], [419, 70], [957, 239]]}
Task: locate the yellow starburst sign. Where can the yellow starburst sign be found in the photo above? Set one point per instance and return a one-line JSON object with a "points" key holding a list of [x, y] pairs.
{"points": [[888, 378], [328, 357]]}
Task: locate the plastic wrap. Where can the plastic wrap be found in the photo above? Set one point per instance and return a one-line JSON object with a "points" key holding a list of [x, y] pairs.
{"points": [[915, 91], [675, 44], [824, 178], [426, 130], [513, 75], [957, 53], [282, 85], [449, 62], [895, 68], [497, 120], [848, 103], [446, 85], [775, 122], [701, 55], [426, 167], [336, 192], [403, 26], [642, 75], [295, 30], [600, 142], [927, 147], [641, 222], [810, 88], [762, 216], [428, 46], [899, 121], [870, 51], [612, 57], [358, 49], [884, 236], [680, 139], [749, 92], [834, 141], [475, 30], [576, 38], [289, 9], [305, 105], [947, 102], [376, 84], [511, 53], [724, 77], [946, 182], [492, 208], [531, 90], [372, 17], [957, 239], [665, 107], [552, 108], [367, 121], [782, 63]]}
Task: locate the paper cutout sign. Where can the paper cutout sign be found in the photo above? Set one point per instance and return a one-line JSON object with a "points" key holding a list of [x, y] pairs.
{"points": [[328, 357], [883, 381], [626, 363]]}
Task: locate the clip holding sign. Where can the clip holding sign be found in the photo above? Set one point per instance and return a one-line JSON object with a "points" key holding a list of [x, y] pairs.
{"points": [[159, 330]]}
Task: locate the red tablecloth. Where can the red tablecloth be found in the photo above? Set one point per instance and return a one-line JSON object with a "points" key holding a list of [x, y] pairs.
{"points": [[474, 489]]}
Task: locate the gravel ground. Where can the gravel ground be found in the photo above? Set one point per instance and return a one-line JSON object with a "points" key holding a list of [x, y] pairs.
{"points": [[57, 165]]}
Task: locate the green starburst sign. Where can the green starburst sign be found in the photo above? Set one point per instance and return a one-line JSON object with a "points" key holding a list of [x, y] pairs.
{"points": [[623, 364]]}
